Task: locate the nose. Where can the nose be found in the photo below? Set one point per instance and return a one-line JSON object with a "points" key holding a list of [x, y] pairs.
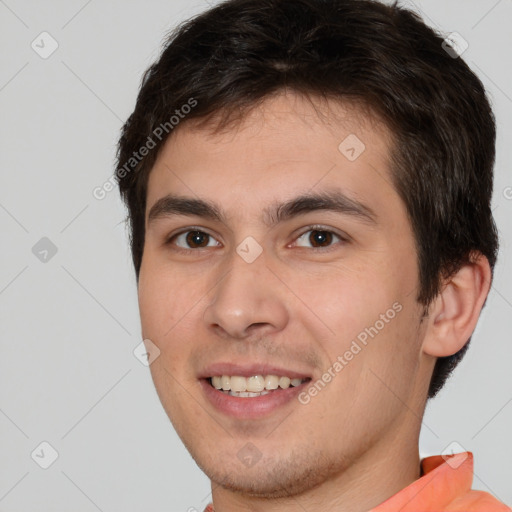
{"points": [[247, 301]]}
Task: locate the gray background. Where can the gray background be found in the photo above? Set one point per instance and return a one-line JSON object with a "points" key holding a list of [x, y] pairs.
{"points": [[69, 325]]}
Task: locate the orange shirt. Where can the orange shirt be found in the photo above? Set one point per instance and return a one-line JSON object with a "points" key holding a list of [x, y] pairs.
{"points": [[445, 486]]}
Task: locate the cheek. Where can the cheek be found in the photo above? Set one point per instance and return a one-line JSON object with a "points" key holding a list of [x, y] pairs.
{"points": [[164, 298], [155, 306], [373, 379], [372, 318], [170, 310], [163, 305], [348, 302], [392, 354]]}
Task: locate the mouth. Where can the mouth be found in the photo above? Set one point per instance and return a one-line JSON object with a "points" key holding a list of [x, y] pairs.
{"points": [[251, 393], [254, 386]]}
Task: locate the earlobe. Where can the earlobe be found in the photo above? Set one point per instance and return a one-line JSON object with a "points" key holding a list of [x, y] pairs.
{"points": [[454, 313]]}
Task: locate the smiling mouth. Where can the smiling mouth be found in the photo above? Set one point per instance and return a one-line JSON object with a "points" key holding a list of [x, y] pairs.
{"points": [[256, 385]]}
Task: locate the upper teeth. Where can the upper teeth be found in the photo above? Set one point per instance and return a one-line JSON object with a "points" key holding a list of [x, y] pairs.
{"points": [[256, 383]]}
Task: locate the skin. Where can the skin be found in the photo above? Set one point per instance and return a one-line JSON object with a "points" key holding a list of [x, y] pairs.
{"points": [[297, 306]]}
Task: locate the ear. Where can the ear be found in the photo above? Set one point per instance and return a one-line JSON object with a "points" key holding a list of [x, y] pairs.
{"points": [[455, 311]]}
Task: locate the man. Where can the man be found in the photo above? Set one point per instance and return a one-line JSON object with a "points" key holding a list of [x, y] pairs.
{"points": [[313, 242]]}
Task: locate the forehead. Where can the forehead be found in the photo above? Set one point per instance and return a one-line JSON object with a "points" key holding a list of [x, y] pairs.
{"points": [[292, 117], [287, 145]]}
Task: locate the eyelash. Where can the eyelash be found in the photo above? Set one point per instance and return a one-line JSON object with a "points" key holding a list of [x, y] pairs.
{"points": [[323, 229]]}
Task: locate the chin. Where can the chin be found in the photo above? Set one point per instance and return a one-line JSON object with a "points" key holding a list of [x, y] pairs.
{"points": [[270, 478]]}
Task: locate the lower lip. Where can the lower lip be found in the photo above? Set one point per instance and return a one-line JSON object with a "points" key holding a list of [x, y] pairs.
{"points": [[250, 407]]}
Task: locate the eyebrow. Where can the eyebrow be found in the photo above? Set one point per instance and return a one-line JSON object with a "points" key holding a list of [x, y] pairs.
{"points": [[334, 201]]}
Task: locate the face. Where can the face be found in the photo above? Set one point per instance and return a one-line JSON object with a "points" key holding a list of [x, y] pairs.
{"points": [[279, 284]]}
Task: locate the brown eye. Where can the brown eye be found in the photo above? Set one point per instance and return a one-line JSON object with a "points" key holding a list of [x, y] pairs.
{"points": [[197, 238], [319, 238], [192, 239]]}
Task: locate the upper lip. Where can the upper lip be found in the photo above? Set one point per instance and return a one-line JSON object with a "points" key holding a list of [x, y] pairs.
{"points": [[249, 370]]}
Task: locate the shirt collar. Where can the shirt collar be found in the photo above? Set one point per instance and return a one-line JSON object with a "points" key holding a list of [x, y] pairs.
{"points": [[450, 475]]}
